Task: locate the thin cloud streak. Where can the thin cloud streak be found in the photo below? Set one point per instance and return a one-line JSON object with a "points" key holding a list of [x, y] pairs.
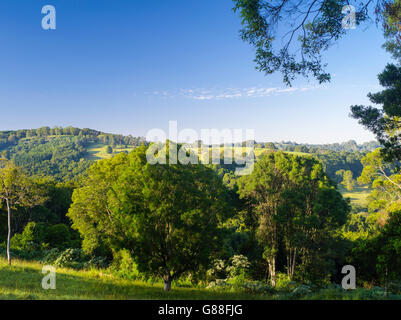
{"points": [[229, 93]]}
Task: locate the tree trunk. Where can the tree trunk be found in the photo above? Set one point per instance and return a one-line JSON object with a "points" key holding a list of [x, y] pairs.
{"points": [[272, 271], [9, 232], [291, 258], [386, 284], [167, 282]]}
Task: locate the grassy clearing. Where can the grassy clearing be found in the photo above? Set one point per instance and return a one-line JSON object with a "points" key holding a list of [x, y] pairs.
{"points": [[23, 281], [97, 151], [358, 195]]}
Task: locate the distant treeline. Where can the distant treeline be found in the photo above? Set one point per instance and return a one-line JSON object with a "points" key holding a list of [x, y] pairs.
{"points": [[350, 146], [11, 138]]}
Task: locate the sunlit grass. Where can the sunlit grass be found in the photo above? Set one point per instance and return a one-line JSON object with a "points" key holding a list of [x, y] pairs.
{"points": [[97, 151], [358, 195], [23, 280]]}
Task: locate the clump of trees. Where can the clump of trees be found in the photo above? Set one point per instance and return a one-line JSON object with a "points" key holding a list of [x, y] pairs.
{"points": [[297, 211], [172, 218]]}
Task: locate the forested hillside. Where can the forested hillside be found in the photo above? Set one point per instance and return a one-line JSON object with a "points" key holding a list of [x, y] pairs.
{"points": [[65, 153], [61, 153]]}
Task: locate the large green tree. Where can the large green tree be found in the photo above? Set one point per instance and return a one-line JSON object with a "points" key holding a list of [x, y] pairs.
{"points": [[385, 121], [16, 190], [168, 216], [296, 206]]}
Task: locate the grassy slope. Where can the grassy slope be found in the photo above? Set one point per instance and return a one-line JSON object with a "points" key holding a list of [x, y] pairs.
{"points": [[97, 151], [23, 281], [358, 195]]}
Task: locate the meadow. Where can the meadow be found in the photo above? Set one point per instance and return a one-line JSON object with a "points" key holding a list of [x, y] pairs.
{"points": [[22, 281], [358, 195]]}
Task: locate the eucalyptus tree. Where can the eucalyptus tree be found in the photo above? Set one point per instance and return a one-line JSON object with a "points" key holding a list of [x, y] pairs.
{"points": [[16, 190], [296, 205]]}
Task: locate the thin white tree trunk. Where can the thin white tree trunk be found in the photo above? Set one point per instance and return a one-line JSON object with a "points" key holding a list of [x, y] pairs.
{"points": [[9, 232], [272, 271]]}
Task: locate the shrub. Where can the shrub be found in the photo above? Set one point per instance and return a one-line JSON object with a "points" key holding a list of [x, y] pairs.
{"points": [[239, 266], [124, 266], [217, 271], [31, 238], [97, 263], [50, 256], [71, 258], [301, 291], [283, 283], [219, 284], [257, 287]]}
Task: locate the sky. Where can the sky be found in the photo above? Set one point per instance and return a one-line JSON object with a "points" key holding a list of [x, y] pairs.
{"points": [[129, 66]]}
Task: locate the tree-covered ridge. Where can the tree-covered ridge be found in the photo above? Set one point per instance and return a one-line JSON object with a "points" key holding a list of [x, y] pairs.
{"points": [[12, 137], [62, 153], [349, 146]]}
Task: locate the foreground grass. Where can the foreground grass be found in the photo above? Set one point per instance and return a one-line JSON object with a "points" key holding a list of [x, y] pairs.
{"points": [[23, 281]]}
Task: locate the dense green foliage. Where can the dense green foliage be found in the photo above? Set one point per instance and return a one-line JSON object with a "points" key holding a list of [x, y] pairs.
{"points": [[297, 211], [166, 215], [61, 153], [204, 226], [384, 122]]}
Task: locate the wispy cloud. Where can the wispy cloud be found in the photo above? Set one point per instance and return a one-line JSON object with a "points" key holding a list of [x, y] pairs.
{"points": [[229, 93]]}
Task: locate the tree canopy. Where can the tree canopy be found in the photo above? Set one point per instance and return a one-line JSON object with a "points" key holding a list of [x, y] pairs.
{"points": [[168, 216], [296, 207], [290, 36]]}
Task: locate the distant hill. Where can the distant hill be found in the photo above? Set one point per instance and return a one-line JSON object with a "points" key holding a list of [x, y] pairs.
{"points": [[63, 153]]}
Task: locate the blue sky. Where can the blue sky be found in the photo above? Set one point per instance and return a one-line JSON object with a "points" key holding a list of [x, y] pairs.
{"points": [[128, 66]]}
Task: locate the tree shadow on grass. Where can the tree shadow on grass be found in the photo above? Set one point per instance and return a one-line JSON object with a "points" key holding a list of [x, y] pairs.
{"points": [[21, 282]]}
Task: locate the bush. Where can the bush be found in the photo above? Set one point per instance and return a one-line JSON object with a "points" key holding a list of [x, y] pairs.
{"points": [[71, 258], [283, 283], [31, 238], [301, 291], [39, 236], [219, 284], [50, 256], [124, 266], [217, 271], [97, 263], [257, 287], [239, 266]]}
